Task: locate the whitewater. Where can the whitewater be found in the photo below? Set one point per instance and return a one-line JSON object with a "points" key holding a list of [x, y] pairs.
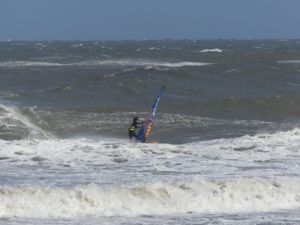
{"points": [[111, 178]]}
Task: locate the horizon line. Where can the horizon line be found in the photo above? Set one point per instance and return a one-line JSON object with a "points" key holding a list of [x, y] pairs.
{"points": [[146, 39]]}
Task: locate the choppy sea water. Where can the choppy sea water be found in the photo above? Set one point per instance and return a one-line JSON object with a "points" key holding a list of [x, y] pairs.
{"points": [[227, 130]]}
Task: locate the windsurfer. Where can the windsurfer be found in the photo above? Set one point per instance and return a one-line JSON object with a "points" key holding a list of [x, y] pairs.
{"points": [[133, 127]]}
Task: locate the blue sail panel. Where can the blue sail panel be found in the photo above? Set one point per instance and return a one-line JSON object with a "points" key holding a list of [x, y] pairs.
{"points": [[141, 134]]}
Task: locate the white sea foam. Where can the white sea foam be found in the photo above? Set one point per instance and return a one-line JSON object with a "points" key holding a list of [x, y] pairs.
{"points": [[234, 70], [198, 196], [280, 144], [154, 48], [77, 45], [215, 159], [122, 62], [295, 61], [216, 176], [27, 63], [137, 63], [212, 50]]}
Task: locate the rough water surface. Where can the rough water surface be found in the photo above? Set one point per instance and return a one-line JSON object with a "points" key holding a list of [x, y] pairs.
{"points": [[227, 131]]}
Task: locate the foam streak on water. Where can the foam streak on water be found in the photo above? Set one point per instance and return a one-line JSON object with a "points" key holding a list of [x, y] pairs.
{"points": [[125, 62]]}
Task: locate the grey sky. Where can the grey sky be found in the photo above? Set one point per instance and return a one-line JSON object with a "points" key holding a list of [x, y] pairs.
{"points": [[148, 19]]}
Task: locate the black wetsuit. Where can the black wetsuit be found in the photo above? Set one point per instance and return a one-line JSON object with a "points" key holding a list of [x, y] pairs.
{"points": [[131, 130]]}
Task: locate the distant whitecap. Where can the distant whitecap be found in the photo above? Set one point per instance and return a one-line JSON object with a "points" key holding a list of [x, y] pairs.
{"points": [[212, 50]]}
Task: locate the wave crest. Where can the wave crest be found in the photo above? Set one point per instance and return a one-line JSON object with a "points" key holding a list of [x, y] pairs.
{"points": [[247, 195], [121, 62]]}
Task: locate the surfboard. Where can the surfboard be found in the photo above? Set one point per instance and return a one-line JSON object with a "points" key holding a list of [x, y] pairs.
{"points": [[146, 129]]}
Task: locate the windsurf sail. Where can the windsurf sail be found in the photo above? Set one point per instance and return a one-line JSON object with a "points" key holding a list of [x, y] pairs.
{"points": [[145, 130]]}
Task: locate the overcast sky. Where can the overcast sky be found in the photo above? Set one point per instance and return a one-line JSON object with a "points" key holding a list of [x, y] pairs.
{"points": [[148, 19]]}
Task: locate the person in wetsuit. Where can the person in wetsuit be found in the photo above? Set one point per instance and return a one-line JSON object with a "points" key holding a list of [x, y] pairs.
{"points": [[133, 127]]}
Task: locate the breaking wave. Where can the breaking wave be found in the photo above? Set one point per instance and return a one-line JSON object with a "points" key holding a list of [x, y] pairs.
{"points": [[223, 196], [15, 125]]}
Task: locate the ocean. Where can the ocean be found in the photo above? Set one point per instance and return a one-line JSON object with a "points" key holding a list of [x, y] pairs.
{"points": [[227, 127]]}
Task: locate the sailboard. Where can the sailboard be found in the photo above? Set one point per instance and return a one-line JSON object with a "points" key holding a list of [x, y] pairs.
{"points": [[145, 130]]}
